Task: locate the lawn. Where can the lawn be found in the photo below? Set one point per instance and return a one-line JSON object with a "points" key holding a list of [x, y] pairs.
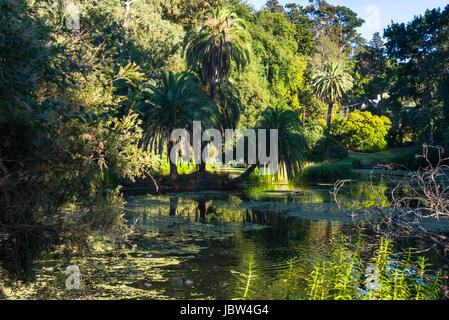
{"points": [[367, 159], [370, 160]]}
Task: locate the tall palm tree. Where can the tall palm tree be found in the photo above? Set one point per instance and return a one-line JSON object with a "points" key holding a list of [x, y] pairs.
{"points": [[173, 104], [222, 38], [291, 142], [329, 86]]}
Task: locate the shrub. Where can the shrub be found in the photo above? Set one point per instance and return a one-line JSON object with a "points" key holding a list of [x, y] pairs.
{"points": [[410, 160], [336, 151], [362, 131], [313, 134], [356, 164]]}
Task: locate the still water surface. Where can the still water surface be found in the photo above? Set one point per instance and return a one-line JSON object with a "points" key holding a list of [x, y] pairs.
{"points": [[212, 234], [196, 245]]}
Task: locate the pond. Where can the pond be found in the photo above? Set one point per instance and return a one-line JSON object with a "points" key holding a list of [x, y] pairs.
{"points": [[213, 233], [196, 245]]}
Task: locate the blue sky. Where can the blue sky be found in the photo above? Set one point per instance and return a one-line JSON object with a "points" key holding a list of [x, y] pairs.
{"points": [[388, 10]]}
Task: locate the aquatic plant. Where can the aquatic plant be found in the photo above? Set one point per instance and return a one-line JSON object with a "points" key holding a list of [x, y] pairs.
{"points": [[347, 277], [244, 289]]}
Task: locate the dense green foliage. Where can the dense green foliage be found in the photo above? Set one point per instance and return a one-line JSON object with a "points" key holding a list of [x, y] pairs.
{"points": [[173, 104], [83, 109], [361, 131], [63, 137]]}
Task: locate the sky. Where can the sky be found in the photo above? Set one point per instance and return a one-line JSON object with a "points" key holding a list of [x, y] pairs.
{"points": [[378, 14]]}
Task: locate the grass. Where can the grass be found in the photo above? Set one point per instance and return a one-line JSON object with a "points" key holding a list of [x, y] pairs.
{"points": [[325, 172], [363, 163], [368, 159], [356, 165]]}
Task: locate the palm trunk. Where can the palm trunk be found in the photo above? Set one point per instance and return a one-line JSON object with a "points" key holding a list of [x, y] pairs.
{"points": [[244, 175], [288, 168], [173, 167], [211, 93], [328, 129], [202, 165]]}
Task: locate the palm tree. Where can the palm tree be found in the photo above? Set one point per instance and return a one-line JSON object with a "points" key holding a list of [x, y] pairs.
{"points": [[222, 38], [291, 142], [329, 86], [173, 104]]}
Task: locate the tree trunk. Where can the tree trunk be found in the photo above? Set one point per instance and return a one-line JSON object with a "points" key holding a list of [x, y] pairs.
{"points": [[211, 93], [202, 165], [431, 132], [244, 175], [173, 167], [288, 168], [328, 129]]}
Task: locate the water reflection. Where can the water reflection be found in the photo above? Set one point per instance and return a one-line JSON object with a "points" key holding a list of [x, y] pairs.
{"points": [[191, 245], [213, 233]]}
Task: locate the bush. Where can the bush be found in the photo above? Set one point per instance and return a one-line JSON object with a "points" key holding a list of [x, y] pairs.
{"points": [[356, 164], [326, 172], [336, 151], [313, 134], [361, 131], [410, 160]]}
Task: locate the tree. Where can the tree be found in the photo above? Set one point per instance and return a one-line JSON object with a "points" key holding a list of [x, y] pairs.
{"points": [[420, 50], [222, 38], [275, 46], [185, 13], [339, 23], [305, 29], [329, 86], [291, 141], [59, 138], [371, 65], [173, 104], [274, 6], [361, 131]]}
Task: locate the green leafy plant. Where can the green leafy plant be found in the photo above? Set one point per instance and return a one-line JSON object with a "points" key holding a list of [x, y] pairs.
{"points": [[362, 131], [245, 279], [346, 277]]}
